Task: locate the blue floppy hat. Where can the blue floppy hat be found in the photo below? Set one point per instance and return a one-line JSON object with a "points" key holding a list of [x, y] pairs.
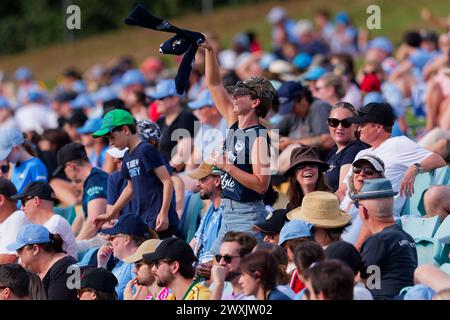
{"points": [[83, 100], [314, 73], [30, 234], [9, 137], [295, 229], [204, 100], [165, 88], [132, 77], [375, 189]]}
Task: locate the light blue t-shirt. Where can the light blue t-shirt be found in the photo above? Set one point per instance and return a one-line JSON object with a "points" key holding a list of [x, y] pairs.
{"points": [[28, 171], [207, 233], [124, 273]]}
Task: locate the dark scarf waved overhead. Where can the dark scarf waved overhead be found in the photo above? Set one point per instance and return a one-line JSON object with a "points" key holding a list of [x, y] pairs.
{"points": [[184, 42]]}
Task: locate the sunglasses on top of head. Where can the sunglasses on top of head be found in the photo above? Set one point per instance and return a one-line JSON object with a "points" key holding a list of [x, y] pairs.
{"points": [[334, 123]]}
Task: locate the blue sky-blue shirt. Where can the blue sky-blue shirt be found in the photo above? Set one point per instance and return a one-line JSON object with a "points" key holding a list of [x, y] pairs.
{"points": [[138, 167], [28, 171], [207, 233]]}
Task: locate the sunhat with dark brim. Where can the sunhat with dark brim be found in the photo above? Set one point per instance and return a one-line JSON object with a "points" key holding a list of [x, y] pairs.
{"points": [[321, 209], [303, 155]]}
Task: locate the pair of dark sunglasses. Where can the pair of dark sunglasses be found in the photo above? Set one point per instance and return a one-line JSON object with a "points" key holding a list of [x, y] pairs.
{"points": [[226, 258], [4, 168], [367, 171], [334, 123]]}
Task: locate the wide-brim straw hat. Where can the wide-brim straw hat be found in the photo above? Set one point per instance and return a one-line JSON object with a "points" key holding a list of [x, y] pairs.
{"points": [[321, 209]]}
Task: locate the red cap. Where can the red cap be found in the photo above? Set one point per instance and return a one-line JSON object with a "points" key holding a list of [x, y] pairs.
{"points": [[370, 83]]}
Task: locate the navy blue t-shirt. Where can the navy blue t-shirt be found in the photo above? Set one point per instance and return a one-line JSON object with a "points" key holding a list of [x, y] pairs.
{"points": [[95, 186], [394, 252], [237, 148], [116, 184], [138, 167], [337, 160]]}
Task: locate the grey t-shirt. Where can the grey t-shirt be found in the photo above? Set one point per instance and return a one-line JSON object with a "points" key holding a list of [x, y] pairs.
{"points": [[314, 124]]}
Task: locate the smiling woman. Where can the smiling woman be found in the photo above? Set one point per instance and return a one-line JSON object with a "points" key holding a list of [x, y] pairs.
{"points": [[305, 175]]}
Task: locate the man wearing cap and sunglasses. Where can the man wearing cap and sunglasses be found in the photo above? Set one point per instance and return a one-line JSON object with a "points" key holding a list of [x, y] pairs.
{"points": [[11, 220], [172, 265], [208, 179], [389, 247], [37, 202], [403, 158]]}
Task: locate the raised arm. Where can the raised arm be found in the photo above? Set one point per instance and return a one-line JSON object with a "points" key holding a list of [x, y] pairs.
{"points": [[221, 99]]}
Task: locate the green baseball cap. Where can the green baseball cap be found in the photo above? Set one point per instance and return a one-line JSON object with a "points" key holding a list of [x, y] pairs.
{"points": [[113, 119]]}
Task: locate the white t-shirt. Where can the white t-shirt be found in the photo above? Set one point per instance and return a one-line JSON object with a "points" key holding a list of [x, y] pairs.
{"points": [[10, 228], [59, 225], [398, 154]]}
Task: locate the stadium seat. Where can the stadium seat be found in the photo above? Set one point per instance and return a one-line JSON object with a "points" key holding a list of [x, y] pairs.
{"points": [[441, 176], [420, 227], [446, 268], [436, 247], [411, 207], [190, 219], [66, 212]]}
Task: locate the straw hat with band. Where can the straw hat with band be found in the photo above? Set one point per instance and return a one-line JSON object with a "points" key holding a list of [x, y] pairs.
{"points": [[321, 209], [302, 155], [204, 169]]}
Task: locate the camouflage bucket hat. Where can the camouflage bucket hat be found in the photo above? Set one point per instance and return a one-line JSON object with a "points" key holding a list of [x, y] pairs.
{"points": [[257, 87]]}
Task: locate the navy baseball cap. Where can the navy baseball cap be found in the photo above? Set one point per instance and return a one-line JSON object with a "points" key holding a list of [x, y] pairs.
{"points": [[274, 222], [287, 94], [40, 189], [174, 249], [98, 279], [70, 152], [30, 234], [129, 224]]}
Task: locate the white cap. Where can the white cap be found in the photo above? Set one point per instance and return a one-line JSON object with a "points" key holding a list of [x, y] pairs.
{"points": [[276, 14], [302, 27], [116, 152], [280, 66], [376, 162]]}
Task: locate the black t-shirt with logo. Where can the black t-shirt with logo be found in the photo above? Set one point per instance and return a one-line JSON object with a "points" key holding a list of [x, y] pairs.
{"points": [[55, 280], [337, 160], [394, 252]]}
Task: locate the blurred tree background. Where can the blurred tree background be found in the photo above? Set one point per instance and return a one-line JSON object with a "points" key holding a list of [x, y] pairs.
{"points": [[29, 24]]}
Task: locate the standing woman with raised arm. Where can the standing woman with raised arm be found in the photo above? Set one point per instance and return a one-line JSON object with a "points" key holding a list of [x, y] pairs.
{"points": [[245, 160]]}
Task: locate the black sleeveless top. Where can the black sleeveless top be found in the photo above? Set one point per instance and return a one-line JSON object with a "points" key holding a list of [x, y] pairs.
{"points": [[238, 147]]}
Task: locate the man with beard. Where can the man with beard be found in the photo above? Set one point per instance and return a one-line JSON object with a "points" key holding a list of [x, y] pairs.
{"points": [[144, 284], [209, 184], [235, 245], [172, 265]]}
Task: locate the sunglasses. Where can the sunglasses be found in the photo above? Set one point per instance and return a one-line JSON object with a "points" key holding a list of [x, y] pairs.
{"points": [[157, 263], [367, 171], [4, 168], [226, 258], [24, 200], [334, 123]]}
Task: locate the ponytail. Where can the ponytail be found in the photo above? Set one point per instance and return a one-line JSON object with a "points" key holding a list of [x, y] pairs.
{"points": [[56, 246]]}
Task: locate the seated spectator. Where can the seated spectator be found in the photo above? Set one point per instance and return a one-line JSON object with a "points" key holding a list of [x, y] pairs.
{"points": [[348, 254], [305, 255], [14, 282], [330, 88], [390, 248], [124, 239], [304, 122], [344, 37], [271, 228], [321, 209], [41, 252], [280, 255], [210, 189], [226, 272], [27, 168], [305, 175], [366, 167], [97, 284], [329, 280], [144, 284], [11, 220], [37, 202], [258, 278], [307, 40], [172, 266], [73, 160], [347, 146]]}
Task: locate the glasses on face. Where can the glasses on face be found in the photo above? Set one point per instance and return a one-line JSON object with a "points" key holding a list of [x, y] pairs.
{"points": [[334, 123], [4, 168], [225, 258], [24, 200], [157, 263], [242, 89], [366, 170]]}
